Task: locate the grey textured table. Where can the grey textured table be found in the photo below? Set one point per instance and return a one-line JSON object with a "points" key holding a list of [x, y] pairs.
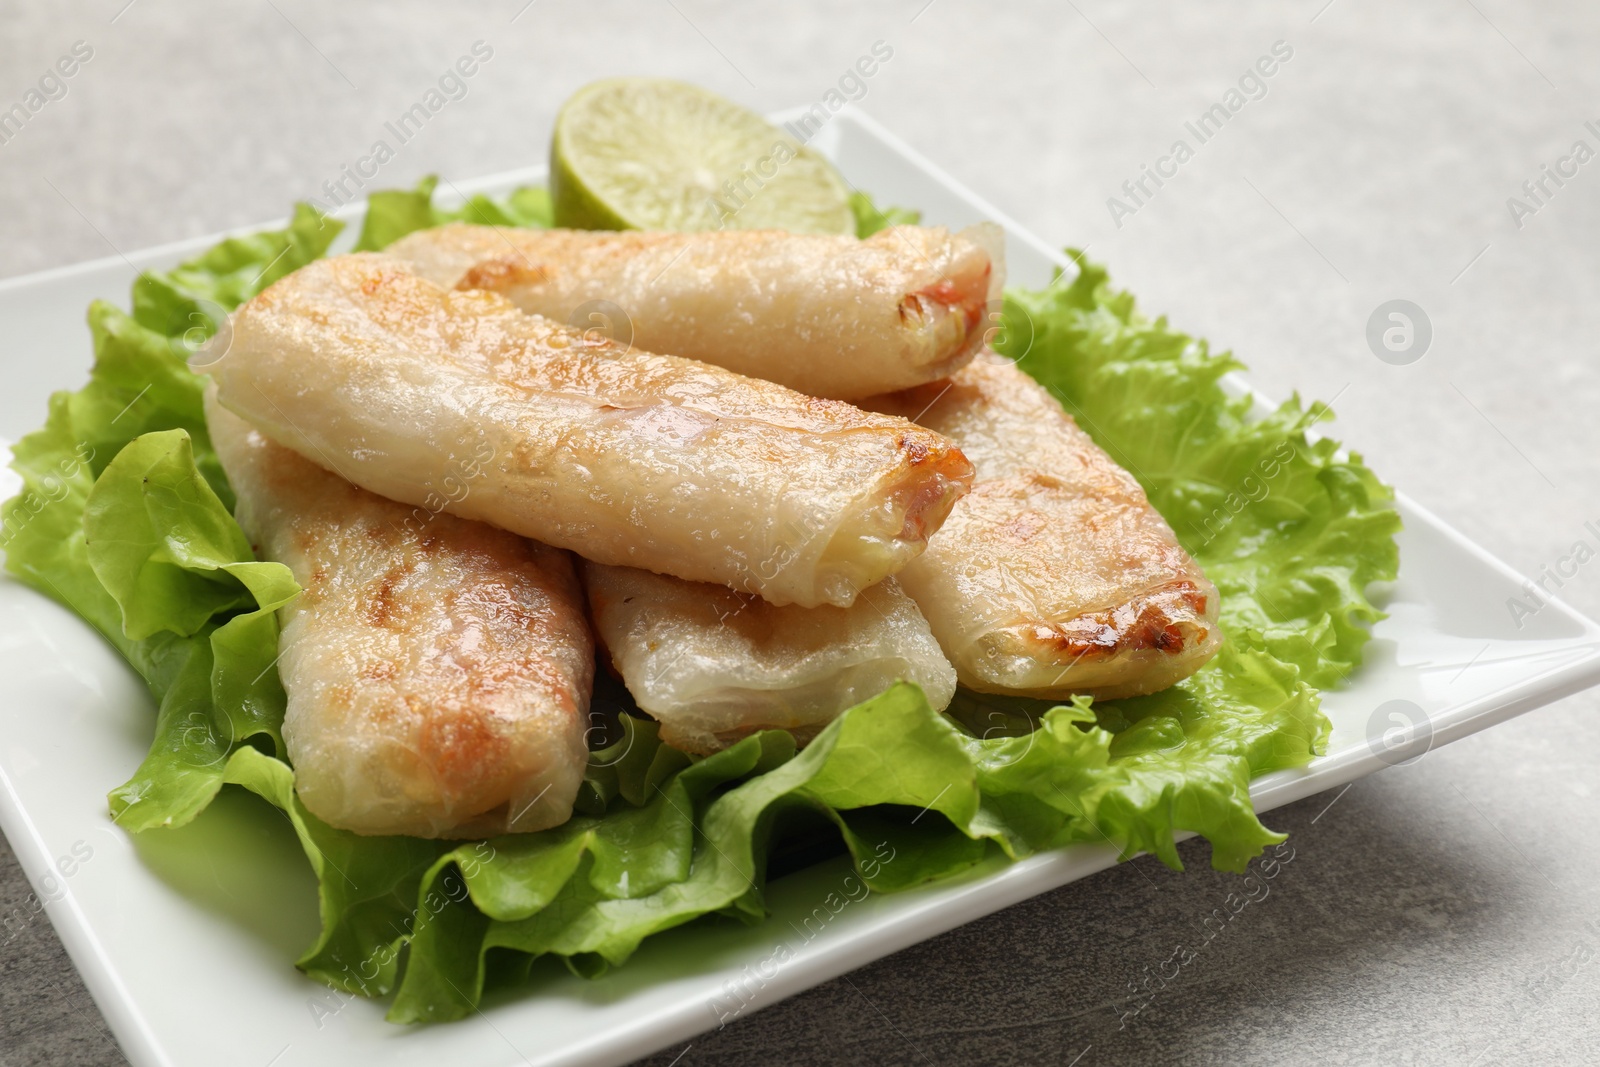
{"points": [[1432, 912]]}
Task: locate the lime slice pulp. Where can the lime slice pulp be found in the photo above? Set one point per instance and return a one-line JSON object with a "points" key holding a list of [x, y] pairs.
{"points": [[655, 154]]}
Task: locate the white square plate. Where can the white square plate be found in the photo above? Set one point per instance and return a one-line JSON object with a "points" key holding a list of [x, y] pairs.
{"points": [[187, 938]]}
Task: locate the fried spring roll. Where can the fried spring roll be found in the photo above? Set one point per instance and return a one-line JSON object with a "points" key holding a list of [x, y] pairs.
{"points": [[457, 401], [1054, 575], [713, 665], [831, 316], [438, 674]]}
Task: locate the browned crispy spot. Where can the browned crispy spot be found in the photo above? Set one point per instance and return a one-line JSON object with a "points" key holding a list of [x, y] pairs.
{"points": [[378, 278], [822, 407], [915, 447], [382, 671], [497, 274], [381, 609], [1147, 622], [947, 476], [1024, 528], [457, 744]]}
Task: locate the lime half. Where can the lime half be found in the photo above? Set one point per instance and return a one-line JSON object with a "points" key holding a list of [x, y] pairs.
{"points": [[654, 154]]}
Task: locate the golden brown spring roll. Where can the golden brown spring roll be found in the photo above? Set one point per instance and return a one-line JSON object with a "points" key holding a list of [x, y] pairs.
{"points": [[1054, 575], [713, 665], [438, 673], [831, 316], [457, 401]]}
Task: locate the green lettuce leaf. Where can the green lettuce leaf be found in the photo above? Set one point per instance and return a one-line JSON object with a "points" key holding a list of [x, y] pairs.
{"points": [[870, 218], [197, 619], [393, 213], [185, 303], [368, 885], [124, 517]]}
